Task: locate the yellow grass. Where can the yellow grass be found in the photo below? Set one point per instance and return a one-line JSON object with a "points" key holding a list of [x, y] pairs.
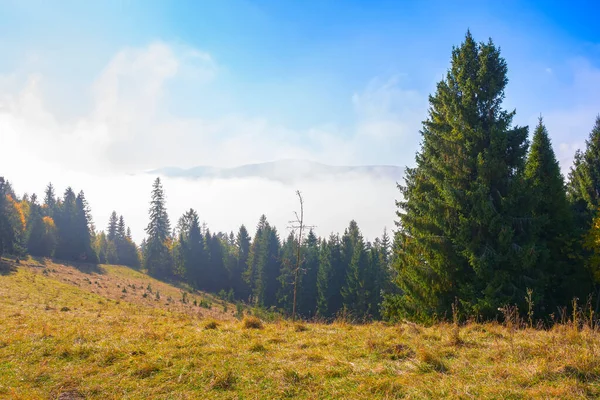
{"points": [[116, 345]]}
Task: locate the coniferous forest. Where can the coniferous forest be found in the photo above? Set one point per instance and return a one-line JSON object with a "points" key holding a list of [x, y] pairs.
{"points": [[485, 219]]}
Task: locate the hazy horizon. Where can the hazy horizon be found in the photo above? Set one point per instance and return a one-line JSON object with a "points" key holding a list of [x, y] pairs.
{"points": [[94, 93]]}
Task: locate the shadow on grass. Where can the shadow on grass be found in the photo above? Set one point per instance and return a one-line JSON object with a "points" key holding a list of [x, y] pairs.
{"points": [[86, 268], [7, 267]]}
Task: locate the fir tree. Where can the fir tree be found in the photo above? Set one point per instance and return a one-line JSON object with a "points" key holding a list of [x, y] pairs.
{"points": [[157, 259], [50, 200], [462, 231], [554, 234], [242, 245], [584, 179]]}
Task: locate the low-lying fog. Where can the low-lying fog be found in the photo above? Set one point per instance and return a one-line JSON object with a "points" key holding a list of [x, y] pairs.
{"points": [[225, 204]]}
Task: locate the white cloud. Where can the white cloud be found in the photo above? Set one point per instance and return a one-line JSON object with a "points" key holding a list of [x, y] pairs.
{"points": [[128, 130], [570, 123]]}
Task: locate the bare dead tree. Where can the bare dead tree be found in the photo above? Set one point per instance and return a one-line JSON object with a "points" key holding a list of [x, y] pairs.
{"points": [[298, 225]]}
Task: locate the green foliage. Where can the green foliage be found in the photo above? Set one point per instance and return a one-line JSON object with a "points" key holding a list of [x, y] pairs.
{"points": [[461, 233], [157, 255], [560, 274]]}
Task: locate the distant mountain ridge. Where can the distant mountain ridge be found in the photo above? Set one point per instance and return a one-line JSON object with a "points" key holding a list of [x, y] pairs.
{"points": [[284, 171]]}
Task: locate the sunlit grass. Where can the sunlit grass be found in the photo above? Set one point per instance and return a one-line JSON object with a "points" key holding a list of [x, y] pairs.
{"points": [[106, 346]]}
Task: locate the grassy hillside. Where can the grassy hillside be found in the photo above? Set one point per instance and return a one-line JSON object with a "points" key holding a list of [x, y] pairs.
{"points": [[101, 333]]}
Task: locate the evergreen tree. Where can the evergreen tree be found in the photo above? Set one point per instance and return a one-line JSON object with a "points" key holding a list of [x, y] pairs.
{"points": [[330, 277], [157, 258], [462, 230], [263, 265], [288, 258], [307, 287], [50, 200], [6, 228], [584, 179], [83, 230], [355, 290], [554, 233], [41, 237], [242, 245], [113, 223], [65, 223]]}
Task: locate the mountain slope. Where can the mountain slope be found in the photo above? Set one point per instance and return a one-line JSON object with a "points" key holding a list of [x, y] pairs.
{"points": [[72, 333], [285, 171]]}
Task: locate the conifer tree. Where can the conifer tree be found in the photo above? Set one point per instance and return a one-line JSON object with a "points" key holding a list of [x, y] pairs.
{"points": [[157, 259], [307, 288], [461, 231], [584, 179], [50, 200], [330, 277], [6, 228], [242, 246], [553, 220]]}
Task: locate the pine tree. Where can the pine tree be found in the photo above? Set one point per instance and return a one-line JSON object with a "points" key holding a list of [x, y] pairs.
{"points": [[331, 277], [50, 200], [584, 179], [65, 223], [242, 244], [307, 288], [113, 223], [194, 251], [157, 259], [554, 233], [462, 229], [288, 258], [83, 230], [6, 228], [355, 290]]}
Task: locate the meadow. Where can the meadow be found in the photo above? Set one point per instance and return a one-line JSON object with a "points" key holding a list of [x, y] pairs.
{"points": [[110, 332]]}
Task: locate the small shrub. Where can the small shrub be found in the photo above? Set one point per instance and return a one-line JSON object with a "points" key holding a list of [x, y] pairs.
{"points": [[239, 310], [124, 290], [184, 297], [65, 309], [252, 322], [300, 328], [145, 295], [157, 295], [205, 304]]}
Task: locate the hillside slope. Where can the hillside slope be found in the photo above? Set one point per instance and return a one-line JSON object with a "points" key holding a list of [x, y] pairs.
{"points": [[73, 333]]}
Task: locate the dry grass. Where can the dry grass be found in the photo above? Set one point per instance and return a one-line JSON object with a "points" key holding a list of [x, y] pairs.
{"points": [[108, 347], [252, 322]]}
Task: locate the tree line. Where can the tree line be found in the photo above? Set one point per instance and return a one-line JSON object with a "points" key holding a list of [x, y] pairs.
{"points": [[485, 219], [339, 274]]}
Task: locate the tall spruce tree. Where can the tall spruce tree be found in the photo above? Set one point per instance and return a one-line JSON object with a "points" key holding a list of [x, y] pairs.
{"points": [[242, 245], [555, 236], [113, 223], [584, 179], [157, 258], [462, 225], [583, 190]]}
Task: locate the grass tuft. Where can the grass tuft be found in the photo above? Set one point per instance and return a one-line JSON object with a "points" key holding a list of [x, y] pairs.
{"points": [[252, 322], [211, 325], [224, 381]]}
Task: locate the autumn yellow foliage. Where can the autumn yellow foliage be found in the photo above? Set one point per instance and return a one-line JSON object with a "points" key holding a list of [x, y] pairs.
{"points": [[16, 215]]}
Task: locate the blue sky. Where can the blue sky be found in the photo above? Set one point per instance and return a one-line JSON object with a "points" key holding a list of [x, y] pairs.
{"points": [[107, 88]]}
